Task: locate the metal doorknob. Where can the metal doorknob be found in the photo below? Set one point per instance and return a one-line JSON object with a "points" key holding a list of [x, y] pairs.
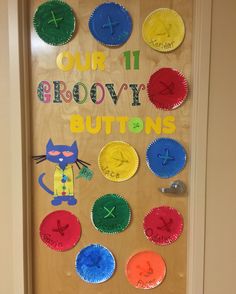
{"points": [[177, 187]]}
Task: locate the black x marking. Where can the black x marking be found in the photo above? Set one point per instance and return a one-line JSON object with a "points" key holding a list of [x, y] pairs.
{"points": [[60, 229], [167, 89], [166, 225], [146, 272]]}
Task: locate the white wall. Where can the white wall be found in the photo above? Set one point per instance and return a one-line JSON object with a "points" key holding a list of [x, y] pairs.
{"points": [[11, 236], [220, 252], [6, 216]]}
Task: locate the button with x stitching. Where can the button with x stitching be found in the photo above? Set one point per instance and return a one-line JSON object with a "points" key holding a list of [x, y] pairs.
{"points": [[54, 22], [167, 88], [145, 270], [111, 214], [60, 230], [163, 225], [110, 24], [166, 157], [163, 30], [95, 264]]}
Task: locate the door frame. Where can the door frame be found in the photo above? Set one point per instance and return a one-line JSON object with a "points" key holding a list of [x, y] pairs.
{"points": [[21, 194], [202, 13]]}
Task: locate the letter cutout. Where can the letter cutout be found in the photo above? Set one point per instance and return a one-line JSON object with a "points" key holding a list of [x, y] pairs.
{"points": [[122, 120], [136, 91], [112, 92], [151, 125], [43, 91], [57, 94], [98, 61], [87, 64], [108, 123], [70, 61], [169, 126], [60, 91], [97, 128], [93, 93], [76, 123], [76, 93]]}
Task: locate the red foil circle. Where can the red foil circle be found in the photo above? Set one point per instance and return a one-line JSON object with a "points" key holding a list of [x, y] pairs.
{"points": [[60, 230], [167, 88], [163, 225]]}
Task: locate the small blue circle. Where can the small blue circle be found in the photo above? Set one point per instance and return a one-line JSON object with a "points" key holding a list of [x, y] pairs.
{"points": [[64, 179], [95, 264], [166, 157], [110, 24]]}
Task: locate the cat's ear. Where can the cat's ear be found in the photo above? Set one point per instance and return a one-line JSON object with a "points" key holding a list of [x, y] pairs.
{"points": [[50, 144], [74, 145]]}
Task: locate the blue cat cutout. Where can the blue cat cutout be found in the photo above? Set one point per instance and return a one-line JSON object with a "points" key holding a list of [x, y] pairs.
{"points": [[64, 157]]}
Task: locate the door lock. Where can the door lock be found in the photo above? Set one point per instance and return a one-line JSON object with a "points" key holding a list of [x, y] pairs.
{"points": [[177, 187]]}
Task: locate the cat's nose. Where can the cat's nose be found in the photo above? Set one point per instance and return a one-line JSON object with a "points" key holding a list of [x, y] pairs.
{"points": [[60, 159]]}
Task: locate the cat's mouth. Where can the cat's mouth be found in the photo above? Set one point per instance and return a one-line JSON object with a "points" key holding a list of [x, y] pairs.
{"points": [[60, 159]]}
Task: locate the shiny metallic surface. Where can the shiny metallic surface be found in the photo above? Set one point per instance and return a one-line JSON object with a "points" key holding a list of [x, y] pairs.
{"points": [[177, 187]]}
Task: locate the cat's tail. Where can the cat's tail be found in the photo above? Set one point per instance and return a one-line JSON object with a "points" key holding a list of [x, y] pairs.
{"points": [[41, 183]]}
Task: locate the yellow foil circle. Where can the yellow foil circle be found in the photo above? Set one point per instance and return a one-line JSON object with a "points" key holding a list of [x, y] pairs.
{"points": [[163, 30], [118, 161]]}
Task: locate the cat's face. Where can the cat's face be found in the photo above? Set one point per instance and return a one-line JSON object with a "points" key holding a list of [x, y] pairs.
{"points": [[61, 154]]}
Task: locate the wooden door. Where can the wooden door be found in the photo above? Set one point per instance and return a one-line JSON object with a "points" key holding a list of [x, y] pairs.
{"points": [[54, 272]]}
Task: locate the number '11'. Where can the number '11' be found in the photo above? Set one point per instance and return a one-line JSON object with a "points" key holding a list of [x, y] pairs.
{"points": [[127, 55]]}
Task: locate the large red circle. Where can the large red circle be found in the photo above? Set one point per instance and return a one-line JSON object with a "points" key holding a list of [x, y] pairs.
{"points": [[163, 225], [167, 88], [60, 230]]}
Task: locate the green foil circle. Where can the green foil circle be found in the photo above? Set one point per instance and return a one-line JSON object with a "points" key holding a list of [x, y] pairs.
{"points": [[111, 214], [54, 22], [135, 125]]}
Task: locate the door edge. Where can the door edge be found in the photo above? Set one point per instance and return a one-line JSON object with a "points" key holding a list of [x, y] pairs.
{"points": [[202, 10]]}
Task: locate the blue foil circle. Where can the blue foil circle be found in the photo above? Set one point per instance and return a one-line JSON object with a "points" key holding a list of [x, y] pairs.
{"points": [[95, 264], [166, 157], [110, 24]]}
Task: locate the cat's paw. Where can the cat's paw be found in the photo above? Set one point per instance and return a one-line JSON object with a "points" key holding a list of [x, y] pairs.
{"points": [[71, 200], [56, 201]]}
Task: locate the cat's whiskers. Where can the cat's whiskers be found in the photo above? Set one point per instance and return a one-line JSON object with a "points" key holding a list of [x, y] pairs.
{"points": [[41, 160], [78, 165], [38, 156], [84, 163]]}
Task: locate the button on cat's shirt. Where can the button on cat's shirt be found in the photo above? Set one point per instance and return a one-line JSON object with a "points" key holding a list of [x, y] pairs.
{"points": [[65, 187]]}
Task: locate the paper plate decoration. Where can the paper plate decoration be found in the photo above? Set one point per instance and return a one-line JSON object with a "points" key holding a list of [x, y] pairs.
{"points": [[166, 157], [111, 214], [163, 225], [145, 270], [54, 22], [60, 230], [163, 30], [118, 161], [95, 264], [110, 24], [167, 88]]}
